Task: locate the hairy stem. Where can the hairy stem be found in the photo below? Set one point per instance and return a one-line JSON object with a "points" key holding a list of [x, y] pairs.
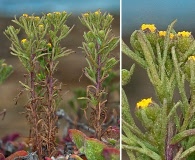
{"points": [[33, 106], [51, 116], [97, 127], [170, 148]]}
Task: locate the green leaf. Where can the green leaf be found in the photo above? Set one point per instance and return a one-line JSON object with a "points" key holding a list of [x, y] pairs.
{"points": [[126, 75], [25, 86], [126, 113], [111, 45], [145, 151], [77, 137], [110, 64], [127, 51], [149, 59], [5, 71], [187, 152], [180, 136], [93, 149]]}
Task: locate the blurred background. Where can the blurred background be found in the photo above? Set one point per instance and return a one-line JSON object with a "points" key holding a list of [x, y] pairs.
{"points": [[158, 12], [69, 69], [12, 7]]}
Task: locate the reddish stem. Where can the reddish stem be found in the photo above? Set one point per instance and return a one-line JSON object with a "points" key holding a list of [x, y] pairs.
{"points": [[52, 118], [98, 127], [33, 106]]}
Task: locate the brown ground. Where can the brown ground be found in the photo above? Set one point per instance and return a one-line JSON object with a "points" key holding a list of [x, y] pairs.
{"points": [[69, 71]]}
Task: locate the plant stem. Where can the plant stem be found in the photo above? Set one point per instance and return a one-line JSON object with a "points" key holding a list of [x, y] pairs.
{"points": [[169, 149], [33, 103], [97, 127], [98, 73], [51, 116]]}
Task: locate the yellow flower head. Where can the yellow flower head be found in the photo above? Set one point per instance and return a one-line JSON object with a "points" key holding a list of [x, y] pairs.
{"points": [[41, 26], [184, 34], [151, 27], [144, 103], [23, 41], [48, 14], [37, 18], [31, 17], [110, 16], [191, 58], [86, 14], [171, 35], [97, 12], [163, 34], [25, 15], [49, 45], [57, 13]]}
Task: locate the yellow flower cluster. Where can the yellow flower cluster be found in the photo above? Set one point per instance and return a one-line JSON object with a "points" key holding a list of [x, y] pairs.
{"points": [[98, 12], [163, 34], [151, 27], [31, 17], [57, 13], [144, 103], [191, 58], [184, 34]]}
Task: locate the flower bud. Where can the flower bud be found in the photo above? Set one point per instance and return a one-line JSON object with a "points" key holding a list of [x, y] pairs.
{"points": [[23, 41], [98, 12], [57, 13], [125, 77], [101, 33], [86, 15], [90, 36], [148, 112], [49, 14], [37, 18], [189, 67], [91, 45], [41, 28], [185, 40], [25, 15]]}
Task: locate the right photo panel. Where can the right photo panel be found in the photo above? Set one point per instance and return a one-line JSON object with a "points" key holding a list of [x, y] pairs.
{"points": [[158, 80]]}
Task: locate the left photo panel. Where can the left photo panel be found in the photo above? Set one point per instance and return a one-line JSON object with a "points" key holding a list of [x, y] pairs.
{"points": [[60, 80]]}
